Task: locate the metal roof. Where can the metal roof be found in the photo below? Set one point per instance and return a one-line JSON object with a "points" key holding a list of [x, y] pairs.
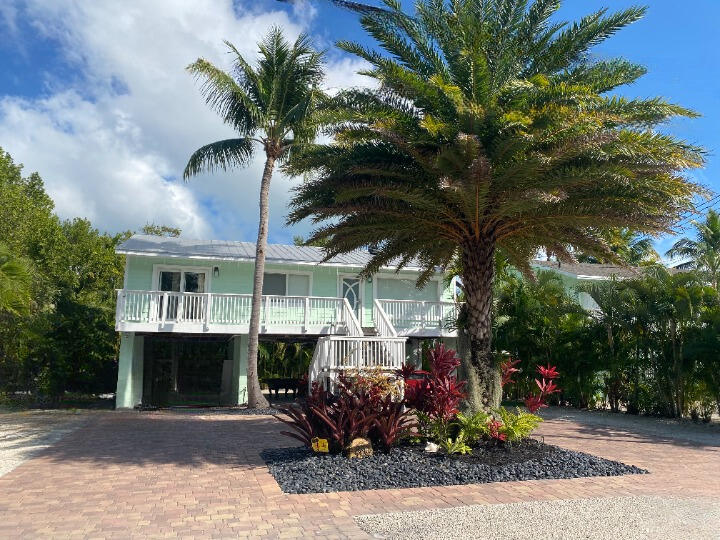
{"points": [[141, 244], [591, 270]]}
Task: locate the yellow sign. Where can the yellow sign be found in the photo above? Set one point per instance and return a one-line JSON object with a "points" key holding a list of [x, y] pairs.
{"points": [[320, 445]]}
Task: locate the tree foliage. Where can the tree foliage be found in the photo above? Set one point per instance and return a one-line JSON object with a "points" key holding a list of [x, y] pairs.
{"points": [[63, 338], [272, 104], [651, 346], [491, 127]]}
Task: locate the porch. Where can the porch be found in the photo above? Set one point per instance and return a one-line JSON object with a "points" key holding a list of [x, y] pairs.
{"points": [[217, 313]]}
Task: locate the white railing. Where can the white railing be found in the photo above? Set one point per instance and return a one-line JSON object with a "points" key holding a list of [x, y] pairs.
{"points": [[233, 310], [350, 319], [407, 315], [382, 321], [336, 353]]}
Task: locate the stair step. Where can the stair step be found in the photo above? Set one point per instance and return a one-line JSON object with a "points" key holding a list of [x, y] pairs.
{"points": [[369, 331]]}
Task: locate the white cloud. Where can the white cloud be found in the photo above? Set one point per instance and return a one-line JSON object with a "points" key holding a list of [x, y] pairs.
{"points": [[112, 147]]}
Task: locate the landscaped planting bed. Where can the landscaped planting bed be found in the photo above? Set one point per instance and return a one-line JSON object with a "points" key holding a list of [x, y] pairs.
{"points": [[380, 430], [299, 470]]}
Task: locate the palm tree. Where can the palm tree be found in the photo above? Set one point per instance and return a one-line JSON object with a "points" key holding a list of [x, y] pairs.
{"points": [[270, 106], [15, 282], [491, 127], [704, 251], [629, 246]]}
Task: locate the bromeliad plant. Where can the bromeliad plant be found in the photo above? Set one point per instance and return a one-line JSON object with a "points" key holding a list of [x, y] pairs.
{"points": [[546, 385], [364, 406]]}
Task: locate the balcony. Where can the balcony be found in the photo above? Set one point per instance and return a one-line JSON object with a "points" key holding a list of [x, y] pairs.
{"points": [[213, 313]]}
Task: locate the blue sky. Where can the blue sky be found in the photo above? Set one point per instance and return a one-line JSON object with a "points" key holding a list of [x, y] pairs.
{"points": [[94, 97]]}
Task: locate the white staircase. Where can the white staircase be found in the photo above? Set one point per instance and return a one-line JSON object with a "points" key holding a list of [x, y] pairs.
{"points": [[357, 350]]}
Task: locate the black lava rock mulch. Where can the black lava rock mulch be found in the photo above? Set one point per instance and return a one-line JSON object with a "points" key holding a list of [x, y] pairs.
{"points": [[298, 470]]}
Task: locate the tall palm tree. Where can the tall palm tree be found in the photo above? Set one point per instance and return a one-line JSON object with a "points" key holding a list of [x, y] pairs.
{"points": [[15, 283], [704, 251], [491, 127], [271, 106]]}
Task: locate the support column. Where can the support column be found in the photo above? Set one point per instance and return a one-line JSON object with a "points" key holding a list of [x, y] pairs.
{"points": [[130, 371], [239, 369]]}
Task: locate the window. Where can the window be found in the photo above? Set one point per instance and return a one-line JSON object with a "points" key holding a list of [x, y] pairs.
{"points": [[404, 289], [275, 284], [286, 284]]}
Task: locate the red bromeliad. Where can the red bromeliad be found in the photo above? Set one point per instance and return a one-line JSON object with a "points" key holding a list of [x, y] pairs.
{"points": [[494, 430], [546, 385], [534, 403], [548, 372], [508, 368]]}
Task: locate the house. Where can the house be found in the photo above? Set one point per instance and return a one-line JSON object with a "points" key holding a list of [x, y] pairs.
{"points": [[183, 314], [574, 275]]}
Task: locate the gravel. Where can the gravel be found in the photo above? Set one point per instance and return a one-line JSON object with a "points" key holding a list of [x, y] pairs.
{"points": [[620, 518], [298, 470], [24, 434]]}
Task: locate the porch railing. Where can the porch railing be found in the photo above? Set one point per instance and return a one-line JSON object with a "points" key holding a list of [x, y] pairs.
{"points": [[405, 315], [337, 353], [158, 307]]}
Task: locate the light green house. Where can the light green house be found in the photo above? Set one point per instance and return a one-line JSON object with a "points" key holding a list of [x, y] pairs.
{"points": [[196, 295]]}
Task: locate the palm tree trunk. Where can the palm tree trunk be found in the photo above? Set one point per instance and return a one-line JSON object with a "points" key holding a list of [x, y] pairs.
{"points": [[256, 400], [483, 390]]}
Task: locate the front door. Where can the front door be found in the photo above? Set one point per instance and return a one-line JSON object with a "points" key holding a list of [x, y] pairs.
{"points": [[190, 281], [350, 288]]}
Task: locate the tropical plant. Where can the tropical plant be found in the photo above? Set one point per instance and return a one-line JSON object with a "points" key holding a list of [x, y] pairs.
{"points": [[271, 105], [15, 282], [703, 253], [491, 127], [439, 393], [628, 246], [393, 423], [516, 426], [456, 445], [473, 426]]}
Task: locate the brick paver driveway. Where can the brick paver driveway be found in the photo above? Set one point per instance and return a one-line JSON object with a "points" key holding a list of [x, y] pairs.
{"points": [[174, 474]]}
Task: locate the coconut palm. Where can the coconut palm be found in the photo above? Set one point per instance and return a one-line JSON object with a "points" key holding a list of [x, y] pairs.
{"points": [[703, 252], [491, 127], [15, 282], [271, 106]]}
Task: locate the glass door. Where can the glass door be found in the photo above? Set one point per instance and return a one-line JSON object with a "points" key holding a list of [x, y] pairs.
{"points": [[350, 289], [170, 281], [176, 281]]}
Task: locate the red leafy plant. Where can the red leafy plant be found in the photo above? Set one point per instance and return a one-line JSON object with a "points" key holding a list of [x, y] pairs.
{"points": [[392, 423], [546, 385], [494, 427], [362, 407], [439, 392]]}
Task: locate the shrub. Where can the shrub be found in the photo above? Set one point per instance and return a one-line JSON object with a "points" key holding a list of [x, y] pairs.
{"points": [[439, 392], [458, 445], [546, 385], [516, 426], [392, 423], [475, 426]]}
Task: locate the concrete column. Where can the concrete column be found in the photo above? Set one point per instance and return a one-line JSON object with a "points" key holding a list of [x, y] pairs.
{"points": [[239, 369], [130, 371]]}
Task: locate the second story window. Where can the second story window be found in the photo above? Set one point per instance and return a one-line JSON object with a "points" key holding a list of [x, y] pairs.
{"points": [[275, 283]]}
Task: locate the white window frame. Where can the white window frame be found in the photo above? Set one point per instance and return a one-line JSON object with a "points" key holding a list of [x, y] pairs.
{"points": [[157, 268], [406, 277], [292, 273]]}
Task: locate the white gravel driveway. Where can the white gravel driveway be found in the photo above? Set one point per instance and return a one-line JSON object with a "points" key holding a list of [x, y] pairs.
{"points": [[23, 434], [619, 518]]}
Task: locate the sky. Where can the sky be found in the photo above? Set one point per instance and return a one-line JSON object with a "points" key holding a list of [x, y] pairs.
{"points": [[95, 97]]}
